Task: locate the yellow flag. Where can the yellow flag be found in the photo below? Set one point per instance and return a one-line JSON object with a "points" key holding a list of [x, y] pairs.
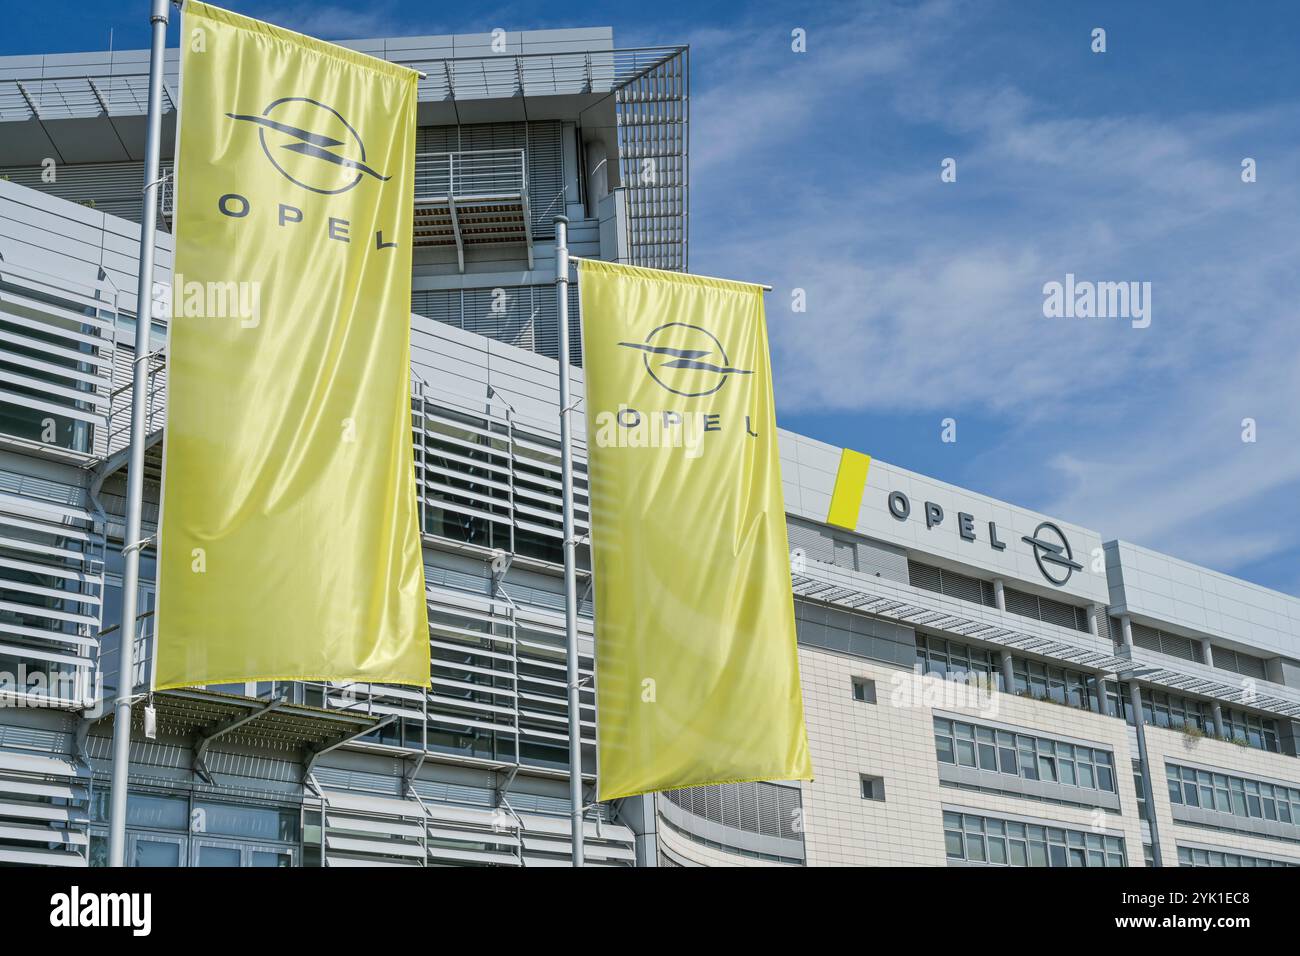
{"points": [[289, 543], [697, 676]]}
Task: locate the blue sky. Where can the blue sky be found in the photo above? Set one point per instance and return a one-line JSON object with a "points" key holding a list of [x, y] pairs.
{"points": [[820, 171]]}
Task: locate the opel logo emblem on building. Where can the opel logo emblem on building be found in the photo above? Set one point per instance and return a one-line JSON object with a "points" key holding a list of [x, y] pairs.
{"points": [[1052, 551], [686, 359], [311, 144]]}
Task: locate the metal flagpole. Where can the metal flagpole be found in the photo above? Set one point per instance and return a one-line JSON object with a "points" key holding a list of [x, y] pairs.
{"points": [[135, 469], [570, 541]]}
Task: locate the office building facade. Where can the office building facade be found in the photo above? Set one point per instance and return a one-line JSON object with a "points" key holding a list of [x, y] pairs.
{"points": [[983, 685]]}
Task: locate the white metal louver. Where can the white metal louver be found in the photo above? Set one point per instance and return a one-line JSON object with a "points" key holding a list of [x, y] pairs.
{"points": [[56, 355], [364, 829], [44, 804], [51, 586]]}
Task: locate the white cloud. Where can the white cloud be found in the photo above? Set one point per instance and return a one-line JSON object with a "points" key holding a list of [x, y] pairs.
{"points": [[922, 295]]}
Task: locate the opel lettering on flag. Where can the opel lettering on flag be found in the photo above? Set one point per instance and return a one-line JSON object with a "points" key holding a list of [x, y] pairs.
{"points": [[289, 545], [697, 673]]}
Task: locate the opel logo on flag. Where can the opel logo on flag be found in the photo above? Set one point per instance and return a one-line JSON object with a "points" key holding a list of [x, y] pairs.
{"points": [[1052, 551], [686, 359], [311, 144]]}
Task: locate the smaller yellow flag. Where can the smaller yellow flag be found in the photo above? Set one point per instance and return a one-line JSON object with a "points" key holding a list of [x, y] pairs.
{"points": [[697, 671]]}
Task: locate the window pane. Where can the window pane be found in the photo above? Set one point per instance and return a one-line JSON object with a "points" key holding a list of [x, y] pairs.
{"points": [[966, 753], [998, 851], [218, 856], [1007, 759], [157, 853]]}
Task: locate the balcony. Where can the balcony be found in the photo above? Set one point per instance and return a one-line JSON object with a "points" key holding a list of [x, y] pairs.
{"points": [[472, 197], [466, 198]]}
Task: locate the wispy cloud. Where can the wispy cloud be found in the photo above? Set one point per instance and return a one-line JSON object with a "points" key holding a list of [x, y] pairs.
{"points": [[825, 170]]}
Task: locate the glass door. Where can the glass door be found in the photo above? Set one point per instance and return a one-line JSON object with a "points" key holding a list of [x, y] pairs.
{"points": [[230, 853]]}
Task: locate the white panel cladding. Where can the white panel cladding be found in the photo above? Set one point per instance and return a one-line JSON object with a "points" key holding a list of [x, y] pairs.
{"points": [[112, 188], [82, 246], [1202, 602], [820, 543]]}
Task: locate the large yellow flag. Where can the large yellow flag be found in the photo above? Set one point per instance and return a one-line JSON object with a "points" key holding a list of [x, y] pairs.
{"points": [[289, 544], [697, 676]]}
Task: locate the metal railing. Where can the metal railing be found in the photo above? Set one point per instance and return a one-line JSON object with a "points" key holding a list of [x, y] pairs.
{"points": [[118, 425], [470, 174], [121, 90], [167, 192]]}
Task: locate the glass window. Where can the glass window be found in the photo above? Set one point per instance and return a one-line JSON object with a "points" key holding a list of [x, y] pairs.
{"points": [[1037, 852], [1254, 733], [1007, 753], [1019, 853], [1237, 790], [146, 810], [1270, 735], [988, 754], [257, 822], [1221, 800], [157, 852], [1028, 759], [218, 856], [1046, 761], [965, 745], [1075, 691], [1204, 783], [1056, 684], [864, 690], [998, 851], [1105, 771], [271, 858], [1037, 679], [1065, 763], [1175, 784], [974, 839]]}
